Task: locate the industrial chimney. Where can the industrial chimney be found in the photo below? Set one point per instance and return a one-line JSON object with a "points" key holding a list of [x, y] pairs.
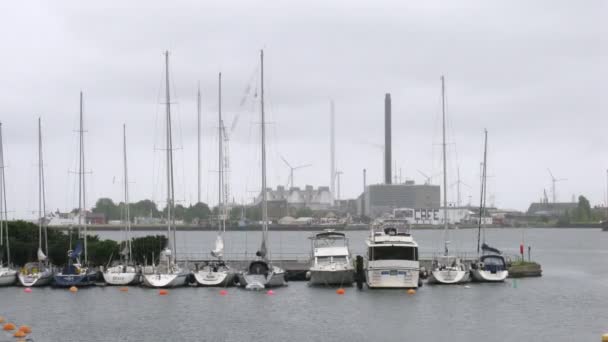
{"points": [[387, 139]]}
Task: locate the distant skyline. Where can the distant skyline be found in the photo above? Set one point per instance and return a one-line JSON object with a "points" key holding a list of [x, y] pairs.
{"points": [[532, 73]]}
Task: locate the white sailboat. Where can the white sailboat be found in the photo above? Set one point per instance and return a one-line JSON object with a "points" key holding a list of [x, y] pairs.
{"points": [[491, 265], [7, 274], [261, 273], [167, 273], [124, 272], [446, 269], [217, 272], [38, 273]]}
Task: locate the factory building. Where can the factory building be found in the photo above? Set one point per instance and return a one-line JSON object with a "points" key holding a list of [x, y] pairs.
{"points": [[296, 198], [380, 199]]}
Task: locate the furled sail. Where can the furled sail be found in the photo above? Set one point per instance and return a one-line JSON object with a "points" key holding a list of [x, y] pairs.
{"points": [[41, 256], [218, 251]]}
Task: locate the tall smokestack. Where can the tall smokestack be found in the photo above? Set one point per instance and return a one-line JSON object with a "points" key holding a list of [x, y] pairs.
{"points": [[332, 151], [387, 139]]}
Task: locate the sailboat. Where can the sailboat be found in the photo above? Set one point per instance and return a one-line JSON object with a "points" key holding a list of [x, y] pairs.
{"points": [[75, 273], [7, 273], [38, 273], [446, 269], [217, 272], [167, 273], [490, 265], [261, 273], [124, 272]]}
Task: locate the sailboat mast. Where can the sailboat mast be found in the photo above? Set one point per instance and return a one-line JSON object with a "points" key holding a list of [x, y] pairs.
{"points": [[264, 199], [3, 209], [220, 192], [482, 197], [126, 190], [445, 171], [46, 235], [81, 172], [170, 193], [198, 131], [40, 216]]}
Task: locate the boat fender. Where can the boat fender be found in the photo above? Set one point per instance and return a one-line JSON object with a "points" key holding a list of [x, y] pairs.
{"points": [[307, 275]]}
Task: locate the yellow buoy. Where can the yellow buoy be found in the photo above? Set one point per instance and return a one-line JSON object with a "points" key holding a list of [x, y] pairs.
{"points": [[9, 327], [19, 333], [605, 338], [73, 289], [411, 292], [25, 329]]}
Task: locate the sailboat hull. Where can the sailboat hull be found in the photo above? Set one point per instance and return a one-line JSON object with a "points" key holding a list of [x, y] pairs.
{"points": [[448, 276], [37, 279], [275, 278], [78, 280], [489, 276], [7, 277], [164, 280], [210, 278], [127, 278]]}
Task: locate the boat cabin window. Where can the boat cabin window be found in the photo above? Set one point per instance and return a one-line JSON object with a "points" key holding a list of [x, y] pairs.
{"points": [[323, 260], [493, 261], [393, 253]]}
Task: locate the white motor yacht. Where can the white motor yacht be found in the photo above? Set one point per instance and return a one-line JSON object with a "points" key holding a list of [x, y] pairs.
{"points": [[392, 256], [331, 262]]}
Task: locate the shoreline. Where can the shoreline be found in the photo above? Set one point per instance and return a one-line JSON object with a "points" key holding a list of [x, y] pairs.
{"points": [[305, 228]]}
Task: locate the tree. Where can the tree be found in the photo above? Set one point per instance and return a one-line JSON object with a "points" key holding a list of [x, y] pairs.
{"points": [[107, 207], [304, 212], [199, 212], [144, 208], [583, 209]]}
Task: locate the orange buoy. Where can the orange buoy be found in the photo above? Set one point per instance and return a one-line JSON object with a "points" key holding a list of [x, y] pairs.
{"points": [[19, 333], [340, 291], [124, 289], [411, 292], [223, 292], [73, 289], [25, 329], [8, 327], [163, 292]]}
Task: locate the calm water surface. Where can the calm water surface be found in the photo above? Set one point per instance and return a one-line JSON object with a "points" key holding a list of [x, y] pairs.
{"points": [[569, 303]]}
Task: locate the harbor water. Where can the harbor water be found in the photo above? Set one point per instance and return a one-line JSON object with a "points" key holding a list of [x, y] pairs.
{"points": [[568, 303]]}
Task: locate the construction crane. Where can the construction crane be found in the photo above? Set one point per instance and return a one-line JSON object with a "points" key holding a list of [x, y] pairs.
{"points": [[290, 181], [553, 181]]}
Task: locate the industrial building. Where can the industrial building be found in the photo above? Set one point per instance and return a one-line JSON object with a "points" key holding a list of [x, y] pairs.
{"points": [[296, 198], [380, 199]]}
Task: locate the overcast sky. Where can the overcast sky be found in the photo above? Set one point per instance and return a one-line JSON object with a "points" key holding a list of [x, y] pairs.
{"points": [[532, 72]]}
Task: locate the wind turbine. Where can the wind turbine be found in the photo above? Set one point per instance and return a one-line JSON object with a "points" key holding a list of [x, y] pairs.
{"points": [[292, 169], [427, 178], [553, 181]]}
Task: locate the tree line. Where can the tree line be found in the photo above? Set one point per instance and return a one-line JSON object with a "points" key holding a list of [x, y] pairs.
{"points": [[23, 240]]}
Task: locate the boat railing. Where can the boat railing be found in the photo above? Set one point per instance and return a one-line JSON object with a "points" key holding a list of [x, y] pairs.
{"points": [[196, 257]]}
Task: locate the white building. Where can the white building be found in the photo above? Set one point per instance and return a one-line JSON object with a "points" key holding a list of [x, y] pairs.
{"points": [[435, 216]]}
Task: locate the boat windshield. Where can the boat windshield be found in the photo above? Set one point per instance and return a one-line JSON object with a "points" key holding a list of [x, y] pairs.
{"points": [[493, 261], [330, 242], [393, 253]]}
